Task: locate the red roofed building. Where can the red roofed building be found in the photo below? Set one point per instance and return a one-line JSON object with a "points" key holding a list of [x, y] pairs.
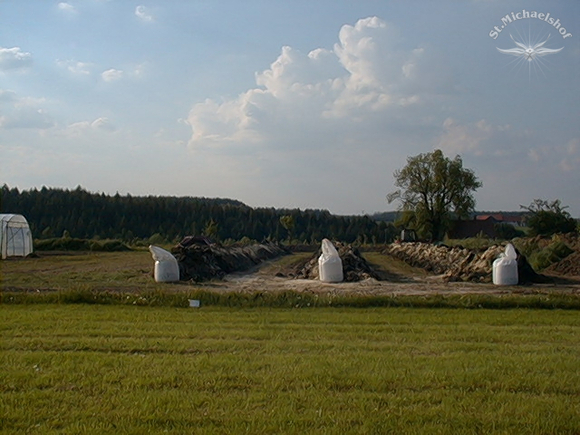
{"points": [[503, 218]]}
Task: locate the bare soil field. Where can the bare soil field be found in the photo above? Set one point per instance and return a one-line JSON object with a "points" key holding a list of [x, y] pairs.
{"points": [[397, 278], [133, 271]]}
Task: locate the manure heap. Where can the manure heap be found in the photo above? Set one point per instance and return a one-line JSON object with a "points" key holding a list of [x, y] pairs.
{"points": [[199, 260]]}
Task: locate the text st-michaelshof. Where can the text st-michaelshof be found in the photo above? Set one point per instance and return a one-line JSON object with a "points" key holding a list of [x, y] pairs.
{"points": [[542, 16]]}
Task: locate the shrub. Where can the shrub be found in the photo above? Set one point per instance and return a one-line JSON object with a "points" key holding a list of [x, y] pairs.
{"points": [[507, 232], [549, 218]]}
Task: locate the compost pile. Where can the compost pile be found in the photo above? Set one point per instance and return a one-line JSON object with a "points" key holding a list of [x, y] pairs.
{"points": [[459, 264], [355, 268], [200, 260]]}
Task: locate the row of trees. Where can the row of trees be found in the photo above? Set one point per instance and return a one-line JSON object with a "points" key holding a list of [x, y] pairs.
{"points": [[79, 213], [434, 189]]}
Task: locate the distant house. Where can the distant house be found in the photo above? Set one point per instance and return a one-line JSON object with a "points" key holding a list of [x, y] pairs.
{"points": [[500, 218], [463, 229]]}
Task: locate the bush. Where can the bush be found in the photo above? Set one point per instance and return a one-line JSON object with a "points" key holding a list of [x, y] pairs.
{"points": [[507, 232], [546, 223], [157, 239], [549, 218]]}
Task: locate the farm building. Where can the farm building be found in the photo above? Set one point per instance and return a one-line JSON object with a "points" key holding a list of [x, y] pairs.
{"points": [[15, 236]]}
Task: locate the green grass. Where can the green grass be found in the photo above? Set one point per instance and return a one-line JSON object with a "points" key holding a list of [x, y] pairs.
{"points": [[295, 299], [123, 271], [119, 369]]}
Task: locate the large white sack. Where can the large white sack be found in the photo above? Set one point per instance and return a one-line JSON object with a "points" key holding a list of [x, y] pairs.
{"points": [[329, 263], [166, 267], [505, 268]]}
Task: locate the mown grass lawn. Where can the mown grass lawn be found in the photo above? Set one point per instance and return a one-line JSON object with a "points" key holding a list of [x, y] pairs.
{"points": [[130, 369]]}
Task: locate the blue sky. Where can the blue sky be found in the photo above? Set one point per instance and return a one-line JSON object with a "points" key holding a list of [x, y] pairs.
{"points": [[302, 104]]}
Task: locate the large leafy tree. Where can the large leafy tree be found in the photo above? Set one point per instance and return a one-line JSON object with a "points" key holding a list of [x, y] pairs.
{"points": [[549, 218], [432, 188]]}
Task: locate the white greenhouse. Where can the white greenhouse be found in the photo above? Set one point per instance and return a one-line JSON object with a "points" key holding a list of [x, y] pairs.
{"points": [[15, 236]]}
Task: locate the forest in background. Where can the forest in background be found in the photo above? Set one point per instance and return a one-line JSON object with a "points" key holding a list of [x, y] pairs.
{"points": [[53, 212]]}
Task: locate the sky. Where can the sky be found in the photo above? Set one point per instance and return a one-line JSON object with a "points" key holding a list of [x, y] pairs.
{"points": [[290, 104]]}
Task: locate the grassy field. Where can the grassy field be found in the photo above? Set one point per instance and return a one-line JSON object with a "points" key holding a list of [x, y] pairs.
{"points": [[130, 369], [123, 271]]}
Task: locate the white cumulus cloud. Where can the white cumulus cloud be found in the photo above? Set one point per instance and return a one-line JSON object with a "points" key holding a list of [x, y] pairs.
{"points": [[366, 75], [102, 124], [82, 128], [143, 14], [67, 7], [112, 75], [14, 58], [75, 67]]}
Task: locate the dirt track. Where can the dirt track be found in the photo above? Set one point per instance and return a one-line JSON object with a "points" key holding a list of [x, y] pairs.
{"points": [[397, 278]]}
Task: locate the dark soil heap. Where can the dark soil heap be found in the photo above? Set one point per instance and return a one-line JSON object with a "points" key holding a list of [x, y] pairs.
{"points": [[354, 267], [200, 260]]}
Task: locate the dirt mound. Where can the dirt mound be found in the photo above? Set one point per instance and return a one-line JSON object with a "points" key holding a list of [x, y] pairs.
{"points": [[455, 264], [201, 260], [459, 264], [569, 266], [355, 268], [562, 250]]}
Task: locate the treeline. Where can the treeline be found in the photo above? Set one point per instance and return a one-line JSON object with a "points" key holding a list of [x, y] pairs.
{"points": [[78, 213]]}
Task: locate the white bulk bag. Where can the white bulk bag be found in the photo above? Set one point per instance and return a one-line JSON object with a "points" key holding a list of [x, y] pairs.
{"points": [[505, 268], [329, 263], [166, 267]]}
